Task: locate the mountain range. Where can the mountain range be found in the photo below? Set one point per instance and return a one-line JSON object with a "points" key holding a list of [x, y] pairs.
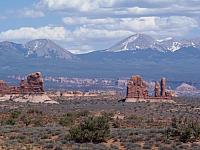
{"points": [[142, 41], [37, 48], [137, 54]]}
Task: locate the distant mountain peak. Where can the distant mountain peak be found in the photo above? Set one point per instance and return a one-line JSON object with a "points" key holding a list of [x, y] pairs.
{"points": [[47, 49], [134, 42], [142, 41], [186, 87]]}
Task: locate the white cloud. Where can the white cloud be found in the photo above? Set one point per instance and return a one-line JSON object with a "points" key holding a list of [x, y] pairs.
{"points": [[124, 7], [81, 5], [78, 49], [87, 5], [107, 28], [140, 24], [85, 20], [97, 32], [135, 24], [31, 13], [101, 34], [27, 33], [176, 22]]}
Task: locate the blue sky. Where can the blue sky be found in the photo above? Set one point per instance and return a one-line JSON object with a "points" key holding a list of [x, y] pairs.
{"points": [[86, 25]]}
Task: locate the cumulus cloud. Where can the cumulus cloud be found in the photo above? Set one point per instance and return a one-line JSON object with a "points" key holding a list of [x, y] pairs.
{"points": [[54, 33], [85, 20], [85, 33], [79, 40], [140, 24], [81, 5], [177, 22], [94, 32], [123, 7]]}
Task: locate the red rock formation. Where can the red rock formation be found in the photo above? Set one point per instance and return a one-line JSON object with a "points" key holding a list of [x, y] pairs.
{"points": [[137, 88], [33, 84], [157, 89], [163, 87]]}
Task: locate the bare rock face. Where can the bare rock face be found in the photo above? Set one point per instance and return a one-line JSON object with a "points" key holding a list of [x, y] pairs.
{"points": [[163, 87], [33, 84], [137, 88], [3, 87], [157, 89], [35, 80], [137, 91]]}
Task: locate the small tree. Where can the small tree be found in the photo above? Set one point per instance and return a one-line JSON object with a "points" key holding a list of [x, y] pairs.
{"points": [[93, 129]]}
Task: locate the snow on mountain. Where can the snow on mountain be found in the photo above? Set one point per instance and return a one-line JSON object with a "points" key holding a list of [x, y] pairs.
{"points": [[143, 41], [47, 49], [134, 42], [195, 42], [170, 44], [187, 90], [186, 87]]}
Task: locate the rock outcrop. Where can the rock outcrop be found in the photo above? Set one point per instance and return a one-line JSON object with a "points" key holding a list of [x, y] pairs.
{"points": [[137, 90], [163, 87], [157, 89], [32, 85]]}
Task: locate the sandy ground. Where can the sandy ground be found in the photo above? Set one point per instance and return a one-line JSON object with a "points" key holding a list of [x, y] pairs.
{"points": [[38, 98], [150, 100]]}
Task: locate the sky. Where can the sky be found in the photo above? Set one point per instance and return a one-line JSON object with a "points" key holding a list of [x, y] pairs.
{"points": [[82, 26]]}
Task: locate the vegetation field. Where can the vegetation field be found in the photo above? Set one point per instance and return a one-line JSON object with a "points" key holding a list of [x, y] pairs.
{"points": [[100, 124]]}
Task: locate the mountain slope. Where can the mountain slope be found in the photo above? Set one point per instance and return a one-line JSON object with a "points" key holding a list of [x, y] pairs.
{"points": [[134, 42], [11, 49], [152, 63], [142, 41], [46, 49]]}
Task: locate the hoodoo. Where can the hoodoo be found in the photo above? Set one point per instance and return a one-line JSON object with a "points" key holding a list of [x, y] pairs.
{"points": [[137, 91], [32, 85]]}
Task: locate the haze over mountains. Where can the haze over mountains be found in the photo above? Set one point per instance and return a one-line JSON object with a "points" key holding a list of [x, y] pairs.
{"points": [[137, 54]]}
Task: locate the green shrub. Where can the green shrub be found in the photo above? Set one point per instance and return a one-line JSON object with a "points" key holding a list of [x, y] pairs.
{"points": [[9, 122], [15, 114], [186, 129], [108, 115], [26, 120], [185, 135], [93, 129], [84, 113], [37, 122], [67, 120]]}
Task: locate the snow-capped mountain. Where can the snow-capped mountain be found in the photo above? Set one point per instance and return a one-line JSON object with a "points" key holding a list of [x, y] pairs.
{"points": [[186, 87], [47, 49], [149, 59], [143, 41], [137, 41], [187, 90]]}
